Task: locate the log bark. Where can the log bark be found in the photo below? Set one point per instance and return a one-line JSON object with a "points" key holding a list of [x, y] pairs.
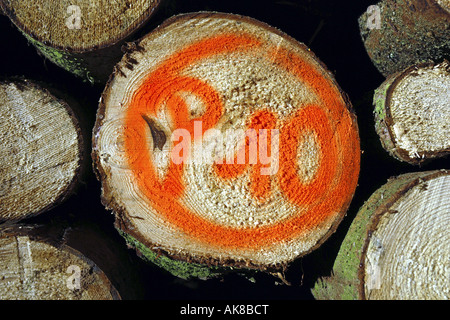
{"points": [[84, 38], [35, 268], [397, 247], [412, 115], [44, 150], [401, 33], [216, 202]]}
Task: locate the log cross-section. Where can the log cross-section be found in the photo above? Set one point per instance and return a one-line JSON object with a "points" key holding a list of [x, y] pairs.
{"points": [[43, 149], [36, 268], [82, 37], [228, 144], [412, 114]]}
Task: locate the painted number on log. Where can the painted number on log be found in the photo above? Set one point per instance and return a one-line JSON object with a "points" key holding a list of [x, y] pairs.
{"points": [[328, 120]]}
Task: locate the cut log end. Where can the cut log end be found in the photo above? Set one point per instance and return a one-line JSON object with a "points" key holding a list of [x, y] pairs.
{"points": [[407, 254], [79, 27], [84, 38], [397, 247], [42, 150], [412, 114], [33, 269], [223, 141]]}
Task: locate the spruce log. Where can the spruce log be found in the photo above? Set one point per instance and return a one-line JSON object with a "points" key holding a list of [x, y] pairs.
{"points": [[274, 157], [43, 149], [85, 37], [412, 114], [401, 33], [397, 247], [34, 268]]}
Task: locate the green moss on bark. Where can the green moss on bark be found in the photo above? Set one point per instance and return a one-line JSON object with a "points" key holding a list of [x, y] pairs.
{"points": [[181, 269], [63, 59], [380, 113]]}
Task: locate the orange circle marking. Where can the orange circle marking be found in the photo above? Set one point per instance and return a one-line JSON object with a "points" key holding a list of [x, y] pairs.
{"points": [[331, 188]]}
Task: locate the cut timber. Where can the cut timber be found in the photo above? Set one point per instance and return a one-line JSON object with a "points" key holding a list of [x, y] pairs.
{"points": [[401, 33], [274, 157], [412, 114], [42, 147], [398, 246], [35, 269], [83, 37]]}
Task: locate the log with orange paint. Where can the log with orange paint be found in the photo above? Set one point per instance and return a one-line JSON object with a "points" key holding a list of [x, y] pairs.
{"points": [[279, 136]]}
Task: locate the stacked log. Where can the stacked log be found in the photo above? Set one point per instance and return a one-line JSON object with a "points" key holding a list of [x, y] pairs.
{"points": [[223, 143], [412, 114], [397, 246], [44, 150], [83, 38], [35, 268]]}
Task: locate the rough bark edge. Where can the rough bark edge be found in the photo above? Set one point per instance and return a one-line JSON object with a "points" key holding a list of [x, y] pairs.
{"points": [[184, 265], [380, 115], [180, 269], [39, 233], [192, 270], [404, 52], [110, 203], [83, 151], [77, 63], [384, 121], [347, 279]]}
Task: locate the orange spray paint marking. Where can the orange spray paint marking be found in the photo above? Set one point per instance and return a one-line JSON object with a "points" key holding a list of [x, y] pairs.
{"points": [[310, 118], [331, 188], [260, 123]]}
